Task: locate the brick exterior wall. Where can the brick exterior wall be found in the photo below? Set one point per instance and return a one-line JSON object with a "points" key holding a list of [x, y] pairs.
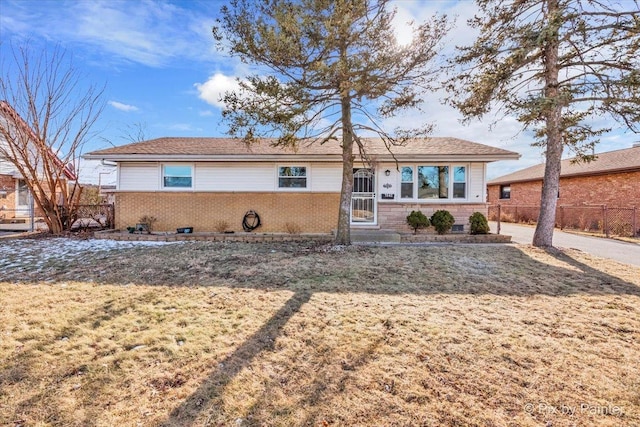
{"points": [[8, 185], [614, 189], [311, 212], [393, 216]]}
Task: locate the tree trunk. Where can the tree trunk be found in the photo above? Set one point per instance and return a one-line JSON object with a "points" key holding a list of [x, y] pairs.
{"points": [[343, 233], [54, 222], [543, 236], [443, 183]]}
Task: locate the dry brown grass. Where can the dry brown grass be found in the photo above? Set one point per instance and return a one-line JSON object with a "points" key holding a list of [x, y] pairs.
{"points": [[294, 335]]}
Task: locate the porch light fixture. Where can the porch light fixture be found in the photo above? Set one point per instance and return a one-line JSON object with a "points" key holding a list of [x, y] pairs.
{"points": [[387, 172]]}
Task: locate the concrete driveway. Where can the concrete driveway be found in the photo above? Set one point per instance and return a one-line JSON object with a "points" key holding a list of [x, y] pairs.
{"points": [[628, 253]]}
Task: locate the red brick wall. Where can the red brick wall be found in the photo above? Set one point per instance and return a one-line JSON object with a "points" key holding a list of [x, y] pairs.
{"points": [[615, 189], [8, 186]]}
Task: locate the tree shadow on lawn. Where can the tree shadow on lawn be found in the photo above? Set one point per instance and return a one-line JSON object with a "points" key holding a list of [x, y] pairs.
{"points": [[525, 277], [261, 341], [437, 270]]}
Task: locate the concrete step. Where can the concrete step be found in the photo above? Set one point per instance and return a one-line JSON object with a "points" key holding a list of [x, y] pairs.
{"points": [[374, 236]]}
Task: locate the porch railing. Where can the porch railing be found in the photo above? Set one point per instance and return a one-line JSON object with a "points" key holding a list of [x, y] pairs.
{"points": [[86, 217]]}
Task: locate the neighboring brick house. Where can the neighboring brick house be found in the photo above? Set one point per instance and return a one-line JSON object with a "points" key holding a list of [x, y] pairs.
{"points": [[207, 182], [613, 179], [14, 191]]}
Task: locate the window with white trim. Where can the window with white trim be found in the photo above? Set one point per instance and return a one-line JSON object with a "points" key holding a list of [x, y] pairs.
{"points": [[406, 184], [433, 182], [459, 182], [177, 176], [292, 177]]}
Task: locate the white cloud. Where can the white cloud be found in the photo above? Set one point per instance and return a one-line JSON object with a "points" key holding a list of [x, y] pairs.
{"points": [[153, 33], [123, 107], [214, 89]]}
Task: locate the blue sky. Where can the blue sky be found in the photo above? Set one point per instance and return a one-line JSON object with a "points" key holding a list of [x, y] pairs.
{"points": [[161, 69]]}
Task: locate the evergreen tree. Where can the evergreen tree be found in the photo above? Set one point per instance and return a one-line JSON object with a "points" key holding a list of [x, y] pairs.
{"points": [[557, 65], [327, 71]]}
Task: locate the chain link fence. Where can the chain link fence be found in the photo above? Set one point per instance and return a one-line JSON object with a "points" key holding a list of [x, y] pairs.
{"points": [[602, 219], [19, 220]]}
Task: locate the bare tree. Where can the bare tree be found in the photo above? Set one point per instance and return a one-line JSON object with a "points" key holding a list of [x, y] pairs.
{"points": [[46, 116], [333, 71], [557, 65], [132, 132]]}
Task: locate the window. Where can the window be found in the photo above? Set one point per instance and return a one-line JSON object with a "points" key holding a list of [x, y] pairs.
{"points": [[292, 177], [177, 176], [505, 191], [406, 184], [459, 182], [433, 182], [23, 193]]}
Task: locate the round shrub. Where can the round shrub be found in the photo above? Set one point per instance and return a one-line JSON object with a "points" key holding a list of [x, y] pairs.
{"points": [[442, 220], [416, 220], [478, 223]]}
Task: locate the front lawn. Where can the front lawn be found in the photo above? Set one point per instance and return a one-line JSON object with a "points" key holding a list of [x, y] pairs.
{"points": [[232, 334]]}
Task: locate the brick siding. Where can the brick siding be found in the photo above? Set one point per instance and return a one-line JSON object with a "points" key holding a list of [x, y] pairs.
{"points": [[614, 189], [8, 186], [393, 216], [308, 212]]}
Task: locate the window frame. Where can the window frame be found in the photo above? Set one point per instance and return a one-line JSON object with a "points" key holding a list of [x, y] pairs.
{"points": [[412, 182], [307, 177], [163, 175], [454, 182], [502, 193], [438, 168], [450, 183]]}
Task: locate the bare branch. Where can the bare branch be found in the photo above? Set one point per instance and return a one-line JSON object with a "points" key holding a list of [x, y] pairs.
{"points": [[46, 116]]}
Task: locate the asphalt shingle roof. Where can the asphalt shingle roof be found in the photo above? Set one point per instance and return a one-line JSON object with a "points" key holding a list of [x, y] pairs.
{"points": [[207, 147], [627, 159]]}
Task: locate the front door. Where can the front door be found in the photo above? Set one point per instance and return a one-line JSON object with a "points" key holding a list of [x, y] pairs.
{"points": [[363, 199]]}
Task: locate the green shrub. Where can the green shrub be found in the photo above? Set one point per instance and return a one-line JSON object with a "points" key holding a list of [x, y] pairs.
{"points": [[416, 220], [478, 223], [442, 220]]}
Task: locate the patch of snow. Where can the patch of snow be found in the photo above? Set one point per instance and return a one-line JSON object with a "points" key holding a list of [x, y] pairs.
{"points": [[23, 253]]}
